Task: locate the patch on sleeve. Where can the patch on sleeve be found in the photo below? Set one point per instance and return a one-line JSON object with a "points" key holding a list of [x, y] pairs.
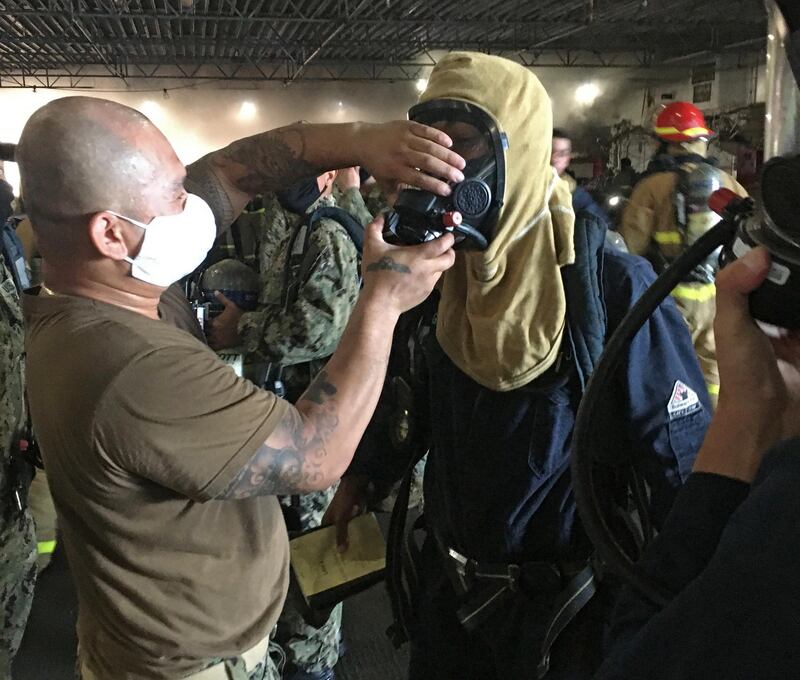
{"points": [[684, 401]]}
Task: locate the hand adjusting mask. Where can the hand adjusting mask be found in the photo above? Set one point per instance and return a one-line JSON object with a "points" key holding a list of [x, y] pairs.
{"points": [[470, 212]]}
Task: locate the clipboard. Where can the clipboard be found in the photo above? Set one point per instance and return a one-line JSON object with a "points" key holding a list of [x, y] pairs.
{"points": [[324, 575]]}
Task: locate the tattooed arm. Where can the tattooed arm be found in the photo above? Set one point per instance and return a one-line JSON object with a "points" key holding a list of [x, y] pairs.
{"points": [[403, 151], [314, 442]]}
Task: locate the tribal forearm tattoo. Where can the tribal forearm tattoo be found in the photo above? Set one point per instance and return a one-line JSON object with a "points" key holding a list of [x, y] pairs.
{"points": [[201, 180], [271, 161], [292, 459], [386, 263]]}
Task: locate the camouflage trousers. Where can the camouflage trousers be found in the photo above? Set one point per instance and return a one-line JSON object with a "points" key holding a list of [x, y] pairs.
{"points": [[267, 670], [17, 578], [308, 648]]}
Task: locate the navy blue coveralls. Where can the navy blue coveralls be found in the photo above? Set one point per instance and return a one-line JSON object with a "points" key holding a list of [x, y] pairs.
{"points": [[498, 487], [730, 553]]}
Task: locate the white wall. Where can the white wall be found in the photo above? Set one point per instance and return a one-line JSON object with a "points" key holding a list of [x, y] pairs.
{"points": [[621, 92], [205, 116], [198, 120], [739, 82]]}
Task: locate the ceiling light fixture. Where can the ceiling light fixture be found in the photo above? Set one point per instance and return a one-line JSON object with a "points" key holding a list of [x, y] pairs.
{"points": [[150, 109], [247, 111], [587, 93]]}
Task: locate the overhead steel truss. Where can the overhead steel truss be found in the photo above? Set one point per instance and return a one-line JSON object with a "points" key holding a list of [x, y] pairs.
{"points": [[60, 43]]}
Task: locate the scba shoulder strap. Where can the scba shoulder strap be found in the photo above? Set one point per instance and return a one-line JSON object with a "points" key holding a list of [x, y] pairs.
{"points": [[297, 265], [14, 256]]}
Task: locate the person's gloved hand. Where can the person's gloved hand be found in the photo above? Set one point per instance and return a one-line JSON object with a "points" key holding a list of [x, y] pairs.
{"points": [[350, 500], [224, 329], [759, 367], [410, 153]]}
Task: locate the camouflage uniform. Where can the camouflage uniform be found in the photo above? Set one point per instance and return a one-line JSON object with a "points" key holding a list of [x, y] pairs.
{"points": [[269, 669], [299, 341], [261, 228], [17, 540], [376, 201]]}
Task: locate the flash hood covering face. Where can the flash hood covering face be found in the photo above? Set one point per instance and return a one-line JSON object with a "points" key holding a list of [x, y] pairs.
{"points": [[502, 313]]}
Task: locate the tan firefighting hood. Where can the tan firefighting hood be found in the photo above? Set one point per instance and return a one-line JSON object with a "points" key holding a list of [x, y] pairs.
{"points": [[502, 313]]}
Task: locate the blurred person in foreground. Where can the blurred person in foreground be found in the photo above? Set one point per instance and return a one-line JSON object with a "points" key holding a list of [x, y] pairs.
{"points": [[729, 551]]}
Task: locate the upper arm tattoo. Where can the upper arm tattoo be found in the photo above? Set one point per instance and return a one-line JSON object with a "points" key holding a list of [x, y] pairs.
{"points": [[292, 458], [201, 180], [268, 162]]}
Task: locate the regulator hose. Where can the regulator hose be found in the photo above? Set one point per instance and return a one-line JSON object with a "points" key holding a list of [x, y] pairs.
{"points": [[609, 548]]}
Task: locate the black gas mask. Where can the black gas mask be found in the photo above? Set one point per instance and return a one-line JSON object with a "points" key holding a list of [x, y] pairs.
{"points": [[470, 212], [776, 226]]}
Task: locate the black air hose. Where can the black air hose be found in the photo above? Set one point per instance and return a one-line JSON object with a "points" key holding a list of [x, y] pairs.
{"points": [[608, 548]]}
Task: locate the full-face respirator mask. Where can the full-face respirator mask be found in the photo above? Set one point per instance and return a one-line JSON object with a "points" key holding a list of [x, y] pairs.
{"points": [[470, 212], [775, 225]]}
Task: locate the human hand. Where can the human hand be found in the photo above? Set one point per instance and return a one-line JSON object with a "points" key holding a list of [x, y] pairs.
{"points": [[398, 278], [224, 329], [410, 153], [350, 500], [348, 178], [759, 367]]}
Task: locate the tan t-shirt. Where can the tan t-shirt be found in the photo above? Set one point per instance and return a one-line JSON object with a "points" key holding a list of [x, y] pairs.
{"points": [[175, 309], [141, 426]]}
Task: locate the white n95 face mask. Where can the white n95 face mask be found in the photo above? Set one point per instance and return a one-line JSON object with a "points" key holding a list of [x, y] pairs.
{"points": [[174, 245]]}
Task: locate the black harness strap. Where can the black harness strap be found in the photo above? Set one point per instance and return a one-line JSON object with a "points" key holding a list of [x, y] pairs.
{"points": [[400, 598], [567, 606]]}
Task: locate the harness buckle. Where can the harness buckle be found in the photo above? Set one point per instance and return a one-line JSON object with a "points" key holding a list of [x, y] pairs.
{"points": [[464, 568]]}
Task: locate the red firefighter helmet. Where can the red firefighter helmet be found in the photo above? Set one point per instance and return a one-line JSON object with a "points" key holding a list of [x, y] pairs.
{"points": [[682, 122]]}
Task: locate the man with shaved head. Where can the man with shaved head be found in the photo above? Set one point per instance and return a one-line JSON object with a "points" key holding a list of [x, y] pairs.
{"points": [[165, 465]]}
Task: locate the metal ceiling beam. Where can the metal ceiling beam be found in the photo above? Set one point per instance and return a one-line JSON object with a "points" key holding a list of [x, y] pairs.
{"points": [[124, 46], [327, 70], [130, 38], [336, 31], [112, 68], [487, 22]]}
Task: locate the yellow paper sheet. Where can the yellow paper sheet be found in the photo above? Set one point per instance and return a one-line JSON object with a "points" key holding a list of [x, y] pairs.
{"points": [[319, 566]]}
